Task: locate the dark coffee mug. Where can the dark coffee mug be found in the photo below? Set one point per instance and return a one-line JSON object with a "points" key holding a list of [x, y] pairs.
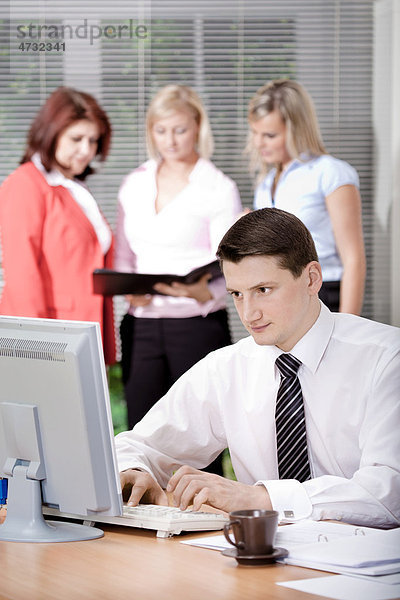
{"points": [[254, 531]]}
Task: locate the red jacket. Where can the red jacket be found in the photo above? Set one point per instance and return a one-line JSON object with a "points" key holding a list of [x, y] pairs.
{"points": [[50, 250]]}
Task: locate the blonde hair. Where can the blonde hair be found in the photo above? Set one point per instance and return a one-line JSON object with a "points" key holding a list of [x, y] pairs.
{"points": [[176, 98], [303, 136]]}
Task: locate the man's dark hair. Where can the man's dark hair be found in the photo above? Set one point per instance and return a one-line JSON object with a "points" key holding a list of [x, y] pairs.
{"points": [[269, 232]]}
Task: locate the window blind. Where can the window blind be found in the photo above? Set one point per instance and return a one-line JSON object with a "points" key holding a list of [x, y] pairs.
{"points": [[226, 50]]}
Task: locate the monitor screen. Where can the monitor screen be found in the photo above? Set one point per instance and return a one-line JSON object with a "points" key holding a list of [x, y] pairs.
{"points": [[56, 433]]}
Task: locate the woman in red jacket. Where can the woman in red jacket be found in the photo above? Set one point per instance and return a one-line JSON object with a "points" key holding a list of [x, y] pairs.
{"points": [[52, 232]]}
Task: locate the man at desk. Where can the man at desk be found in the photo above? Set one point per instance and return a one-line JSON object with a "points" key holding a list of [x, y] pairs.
{"points": [[308, 404]]}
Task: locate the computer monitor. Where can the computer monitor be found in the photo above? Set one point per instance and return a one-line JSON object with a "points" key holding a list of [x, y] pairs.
{"points": [[56, 434]]}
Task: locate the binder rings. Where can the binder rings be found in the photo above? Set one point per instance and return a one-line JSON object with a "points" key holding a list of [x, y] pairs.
{"points": [[113, 283]]}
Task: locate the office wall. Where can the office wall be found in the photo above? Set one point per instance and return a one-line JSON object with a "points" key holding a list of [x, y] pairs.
{"points": [[224, 49], [386, 119]]}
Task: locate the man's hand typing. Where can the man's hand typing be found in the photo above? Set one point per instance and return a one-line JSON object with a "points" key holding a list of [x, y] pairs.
{"points": [[141, 486], [190, 486]]}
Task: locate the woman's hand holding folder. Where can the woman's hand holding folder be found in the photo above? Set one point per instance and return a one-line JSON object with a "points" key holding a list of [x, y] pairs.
{"points": [[199, 290]]}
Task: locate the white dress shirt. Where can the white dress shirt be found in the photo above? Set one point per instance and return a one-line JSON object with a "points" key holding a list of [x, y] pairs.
{"points": [[184, 235], [350, 378], [83, 197], [301, 190]]}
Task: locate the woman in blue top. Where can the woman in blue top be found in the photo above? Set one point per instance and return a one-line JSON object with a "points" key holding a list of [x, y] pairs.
{"points": [[297, 175]]}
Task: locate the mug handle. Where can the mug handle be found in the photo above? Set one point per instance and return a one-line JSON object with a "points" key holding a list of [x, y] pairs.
{"points": [[239, 545]]}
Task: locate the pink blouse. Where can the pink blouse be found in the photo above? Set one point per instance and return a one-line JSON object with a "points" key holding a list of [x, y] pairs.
{"points": [[182, 236]]}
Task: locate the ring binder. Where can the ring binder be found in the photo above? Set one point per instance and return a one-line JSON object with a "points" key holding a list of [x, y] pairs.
{"points": [[113, 283]]}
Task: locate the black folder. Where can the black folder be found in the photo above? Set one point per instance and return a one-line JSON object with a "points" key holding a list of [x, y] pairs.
{"points": [[113, 283]]}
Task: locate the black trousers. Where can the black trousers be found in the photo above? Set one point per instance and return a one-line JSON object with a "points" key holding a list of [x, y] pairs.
{"points": [[330, 295], [156, 352]]}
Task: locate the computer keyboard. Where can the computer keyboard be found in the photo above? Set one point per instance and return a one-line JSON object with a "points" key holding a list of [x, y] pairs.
{"points": [[166, 520]]}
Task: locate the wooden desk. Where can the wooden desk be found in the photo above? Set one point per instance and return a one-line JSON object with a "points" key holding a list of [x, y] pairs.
{"points": [[133, 564]]}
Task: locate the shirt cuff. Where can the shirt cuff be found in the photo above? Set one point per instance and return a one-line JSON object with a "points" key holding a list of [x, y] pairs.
{"points": [[289, 498]]}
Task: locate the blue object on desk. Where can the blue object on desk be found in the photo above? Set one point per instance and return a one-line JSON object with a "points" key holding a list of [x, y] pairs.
{"points": [[3, 491]]}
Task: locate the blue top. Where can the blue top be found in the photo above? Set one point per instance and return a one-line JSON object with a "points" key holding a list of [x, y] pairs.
{"points": [[301, 190]]}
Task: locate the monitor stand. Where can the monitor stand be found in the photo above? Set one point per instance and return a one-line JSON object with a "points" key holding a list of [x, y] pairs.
{"points": [[24, 521], [25, 470]]}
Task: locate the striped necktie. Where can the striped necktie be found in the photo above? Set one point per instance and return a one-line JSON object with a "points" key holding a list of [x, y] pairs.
{"points": [[290, 423]]}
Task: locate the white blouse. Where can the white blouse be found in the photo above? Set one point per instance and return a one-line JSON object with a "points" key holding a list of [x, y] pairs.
{"points": [[83, 197], [184, 235], [302, 189]]}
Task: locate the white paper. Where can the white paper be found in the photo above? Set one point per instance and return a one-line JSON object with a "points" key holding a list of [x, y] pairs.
{"points": [[388, 579], [294, 535], [335, 547], [374, 570], [213, 542], [354, 551], [312, 532], [342, 587]]}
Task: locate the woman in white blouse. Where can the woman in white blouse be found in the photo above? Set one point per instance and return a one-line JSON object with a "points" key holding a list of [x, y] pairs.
{"points": [[297, 175], [173, 211]]}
